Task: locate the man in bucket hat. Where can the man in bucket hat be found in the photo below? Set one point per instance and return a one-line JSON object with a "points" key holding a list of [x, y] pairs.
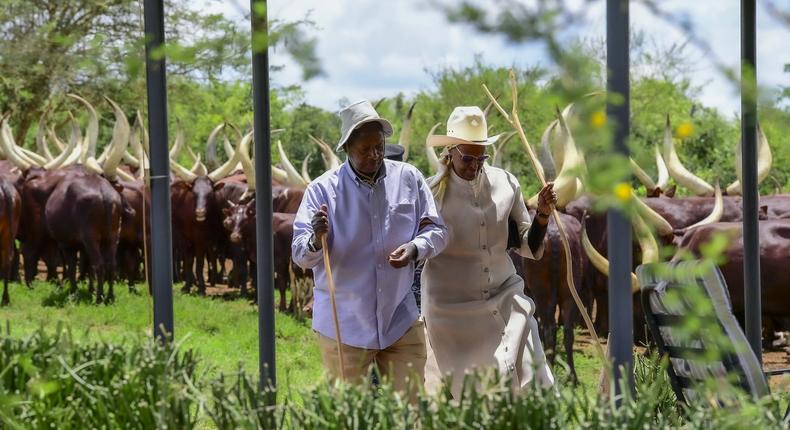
{"points": [[379, 218]]}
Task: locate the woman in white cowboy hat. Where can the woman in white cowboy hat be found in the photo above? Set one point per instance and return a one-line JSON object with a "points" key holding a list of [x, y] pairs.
{"points": [[476, 313]]}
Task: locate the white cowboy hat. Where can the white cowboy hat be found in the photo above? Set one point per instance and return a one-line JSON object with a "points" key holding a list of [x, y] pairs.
{"points": [[466, 126], [357, 114]]}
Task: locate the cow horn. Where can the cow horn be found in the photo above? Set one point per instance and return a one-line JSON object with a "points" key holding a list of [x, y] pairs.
{"points": [[545, 154], [143, 132], [179, 143], [229, 151], [119, 143], [137, 147], [211, 147], [331, 160], [279, 175], [662, 226], [92, 133], [499, 149], [663, 173], [764, 161], [715, 213], [8, 146], [75, 139], [246, 163], [199, 168], [193, 158], [64, 155], [32, 156], [599, 261], [294, 178], [404, 139], [433, 160], [305, 173], [647, 242], [565, 184], [643, 177], [234, 159], [41, 138], [679, 173], [182, 172]]}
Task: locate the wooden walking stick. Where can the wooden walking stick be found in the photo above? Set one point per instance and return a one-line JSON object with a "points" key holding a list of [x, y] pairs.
{"points": [[331, 281], [514, 121]]}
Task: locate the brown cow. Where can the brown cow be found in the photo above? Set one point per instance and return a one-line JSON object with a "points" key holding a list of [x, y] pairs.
{"points": [[240, 223], [33, 234], [774, 259], [131, 241], [194, 222], [10, 212], [548, 286], [777, 206], [84, 213]]}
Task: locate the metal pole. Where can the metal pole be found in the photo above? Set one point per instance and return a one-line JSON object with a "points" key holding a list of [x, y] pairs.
{"points": [[161, 240], [751, 195], [263, 198], [621, 310]]}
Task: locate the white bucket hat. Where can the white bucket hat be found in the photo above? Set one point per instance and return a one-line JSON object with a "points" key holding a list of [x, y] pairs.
{"points": [[466, 126], [357, 114]]}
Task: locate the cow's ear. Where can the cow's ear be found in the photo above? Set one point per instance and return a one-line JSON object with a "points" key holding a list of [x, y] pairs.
{"points": [[226, 211], [654, 192], [671, 191], [763, 213], [219, 185]]}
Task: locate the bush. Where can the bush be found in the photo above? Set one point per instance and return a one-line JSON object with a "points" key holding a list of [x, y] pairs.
{"points": [[49, 381]]}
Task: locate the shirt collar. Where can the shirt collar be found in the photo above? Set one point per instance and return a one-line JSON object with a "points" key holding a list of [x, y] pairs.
{"points": [[360, 178]]}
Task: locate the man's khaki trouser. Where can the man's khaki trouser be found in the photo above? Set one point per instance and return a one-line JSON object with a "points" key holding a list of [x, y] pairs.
{"points": [[402, 363]]}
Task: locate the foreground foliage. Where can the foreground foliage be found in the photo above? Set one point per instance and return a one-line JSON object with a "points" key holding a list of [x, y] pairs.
{"points": [[53, 381]]}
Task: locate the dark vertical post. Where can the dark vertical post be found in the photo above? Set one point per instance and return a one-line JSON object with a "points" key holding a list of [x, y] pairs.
{"points": [[263, 193], [621, 311], [161, 240], [751, 195]]}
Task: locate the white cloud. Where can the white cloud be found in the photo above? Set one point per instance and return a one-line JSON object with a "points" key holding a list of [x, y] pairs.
{"points": [[372, 48]]}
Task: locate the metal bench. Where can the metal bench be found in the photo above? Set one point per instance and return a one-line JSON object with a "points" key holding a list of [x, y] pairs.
{"points": [[714, 347]]}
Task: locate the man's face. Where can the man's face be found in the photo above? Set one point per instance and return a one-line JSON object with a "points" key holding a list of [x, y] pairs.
{"points": [[366, 148]]}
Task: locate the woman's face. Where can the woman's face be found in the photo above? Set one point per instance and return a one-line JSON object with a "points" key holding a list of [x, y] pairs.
{"points": [[467, 160]]}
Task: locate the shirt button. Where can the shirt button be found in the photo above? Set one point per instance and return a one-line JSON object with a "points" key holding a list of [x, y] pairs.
{"points": [[485, 270], [482, 223]]}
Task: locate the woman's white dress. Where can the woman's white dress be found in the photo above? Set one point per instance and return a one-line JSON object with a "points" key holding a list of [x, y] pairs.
{"points": [[476, 313]]}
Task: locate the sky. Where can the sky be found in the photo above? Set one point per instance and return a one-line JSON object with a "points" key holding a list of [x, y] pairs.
{"points": [[375, 48]]}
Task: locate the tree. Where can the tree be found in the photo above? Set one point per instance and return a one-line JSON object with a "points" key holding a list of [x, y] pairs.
{"points": [[52, 47]]}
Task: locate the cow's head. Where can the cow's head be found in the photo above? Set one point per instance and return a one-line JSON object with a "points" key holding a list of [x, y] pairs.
{"points": [[203, 189], [235, 218]]}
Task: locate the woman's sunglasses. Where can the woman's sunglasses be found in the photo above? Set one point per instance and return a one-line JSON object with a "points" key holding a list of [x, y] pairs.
{"points": [[469, 158]]}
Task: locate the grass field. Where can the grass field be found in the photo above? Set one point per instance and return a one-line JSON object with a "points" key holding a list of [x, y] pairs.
{"points": [[223, 332]]}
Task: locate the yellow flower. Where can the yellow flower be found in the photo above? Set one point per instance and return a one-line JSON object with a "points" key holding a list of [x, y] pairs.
{"points": [[623, 192], [598, 119], [684, 130]]}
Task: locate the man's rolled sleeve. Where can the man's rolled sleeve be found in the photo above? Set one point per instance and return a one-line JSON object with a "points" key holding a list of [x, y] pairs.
{"points": [[303, 230], [432, 237]]}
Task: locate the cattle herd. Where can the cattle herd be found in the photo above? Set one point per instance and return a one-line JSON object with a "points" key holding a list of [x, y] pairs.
{"points": [[85, 217]]}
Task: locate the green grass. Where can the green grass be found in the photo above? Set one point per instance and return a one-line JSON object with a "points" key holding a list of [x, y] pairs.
{"points": [[224, 333]]}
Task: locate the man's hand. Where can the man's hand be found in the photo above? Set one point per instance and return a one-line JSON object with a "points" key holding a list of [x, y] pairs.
{"points": [[546, 199], [320, 224], [403, 255]]}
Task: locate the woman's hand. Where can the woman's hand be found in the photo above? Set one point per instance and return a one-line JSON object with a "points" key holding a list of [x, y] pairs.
{"points": [[546, 199]]}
